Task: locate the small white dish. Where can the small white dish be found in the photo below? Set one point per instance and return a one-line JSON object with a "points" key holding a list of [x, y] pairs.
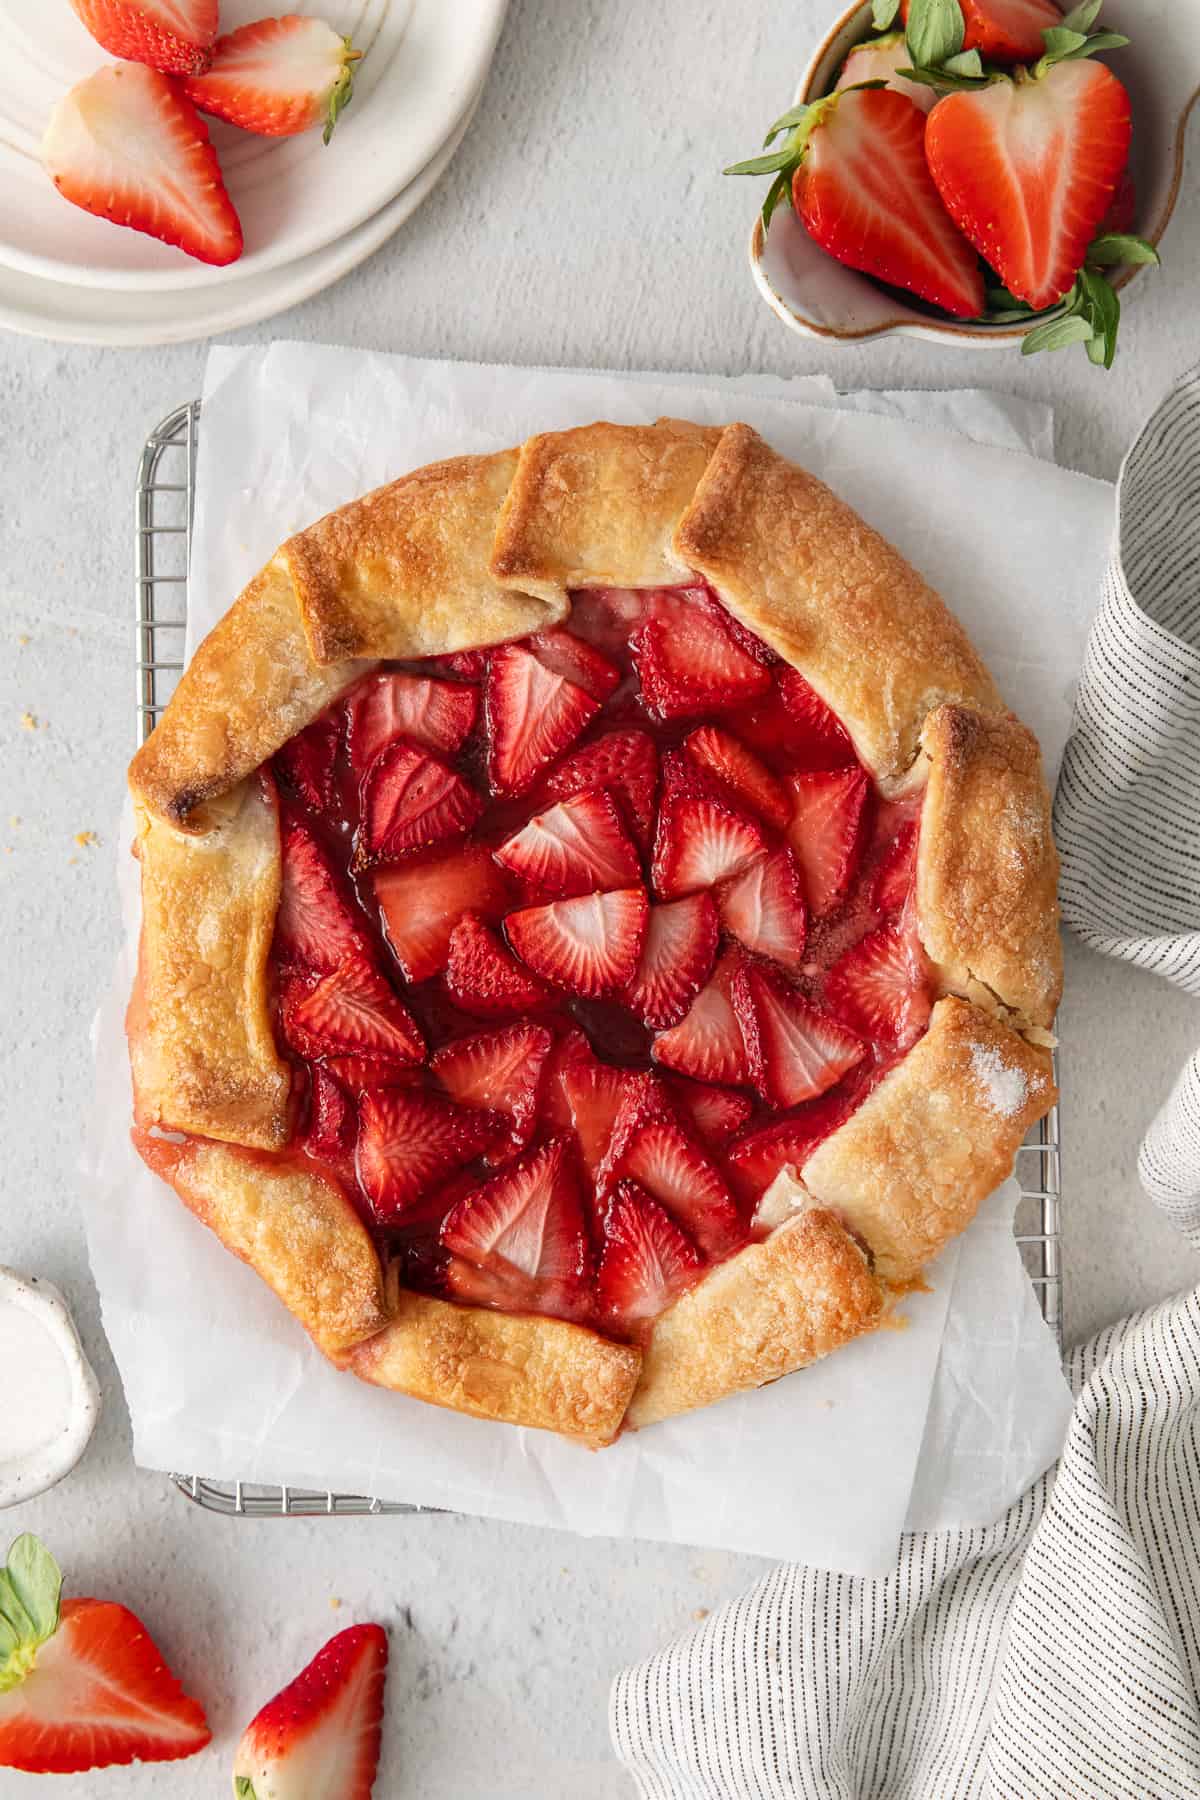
{"points": [[817, 297], [424, 63], [69, 314], [51, 1399]]}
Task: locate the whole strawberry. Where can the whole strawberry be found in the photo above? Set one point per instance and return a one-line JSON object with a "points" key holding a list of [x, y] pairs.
{"points": [[853, 165], [278, 77]]}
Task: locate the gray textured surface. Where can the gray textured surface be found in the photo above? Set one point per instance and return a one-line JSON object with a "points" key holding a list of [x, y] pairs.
{"points": [[583, 223]]}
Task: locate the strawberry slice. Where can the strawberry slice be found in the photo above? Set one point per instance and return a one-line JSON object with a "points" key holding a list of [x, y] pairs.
{"points": [[317, 922], [352, 1012], [608, 616], [623, 762], [438, 715], [649, 1146], [471, 665], [795, 1052], [278, 77], [82, 1683], [700, 838], [763, 907], [176, 36], [822, 741], [689, 660], [826, 832], [707, 1044], [716, 1113], [520, 1240], [1028, 169], [880, 987], [358, 1073], [484, 977], [534, 714], [678, 953], [565, 654], [1003, 31], [423, 901], [897, 871], [575, 847], [411, 800], [332, 1122], [410, 1139], [500, 1071], [755, 1160], [555, 1112], [646, 1263], [589, 946], [853, 165], [305, 764], [321, 1734], [750, 785], [593, 1091], [126, 145]]}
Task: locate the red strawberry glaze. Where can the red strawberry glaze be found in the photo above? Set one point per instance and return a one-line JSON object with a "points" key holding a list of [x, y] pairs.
{"points": [[743, 749]]}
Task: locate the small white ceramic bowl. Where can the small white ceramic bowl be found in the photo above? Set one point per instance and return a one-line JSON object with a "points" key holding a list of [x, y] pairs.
{"points": [[51, 1399], [817, 297]]}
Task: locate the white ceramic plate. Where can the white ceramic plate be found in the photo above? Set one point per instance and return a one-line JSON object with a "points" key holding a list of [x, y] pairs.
{"points": [[425, 60], [69, 314]]}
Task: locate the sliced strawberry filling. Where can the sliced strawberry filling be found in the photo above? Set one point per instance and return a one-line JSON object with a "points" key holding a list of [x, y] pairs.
{"points": [[580, 942]]}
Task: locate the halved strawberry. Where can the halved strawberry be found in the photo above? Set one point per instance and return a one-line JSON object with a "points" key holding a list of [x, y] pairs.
{"points": [[853, 165], [484, 977], [524, 1233], [278, 77], [439, 715], [688, 659], [409, 1139], [305, 764], [763, 907], [82, 1683], [700, 839], [678, 953], [897, 871], [818, 739], [533, 713], [750, 784], [332, 1121], [575, 847], [649, 1145], [646, 1263], [794, 1051], [422, 901], [126, 145], [352, 1012], [717, 1113], [565, 654], [176, 36], [826, 832], [500, 1071], [317, 922], [1028, 169], [755, 1160], [593, 1091], [411, 800], [880, 986], [1003, 31], [879, 59], [589, 946], [623, 762], [707, 1043], [321, 1734]]}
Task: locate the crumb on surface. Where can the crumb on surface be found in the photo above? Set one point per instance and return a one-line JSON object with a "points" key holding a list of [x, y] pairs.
{"points": [[22, 638], [701, 1612], [334, 1603], [85, 839], [28, 722]]}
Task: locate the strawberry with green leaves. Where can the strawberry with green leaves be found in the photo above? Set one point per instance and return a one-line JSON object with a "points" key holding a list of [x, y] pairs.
{"points": [[82, 1683], [853, 167], [278, 77]]}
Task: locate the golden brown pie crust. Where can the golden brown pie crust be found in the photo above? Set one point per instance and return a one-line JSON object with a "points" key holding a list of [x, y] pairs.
{"points": [[465, 554]]}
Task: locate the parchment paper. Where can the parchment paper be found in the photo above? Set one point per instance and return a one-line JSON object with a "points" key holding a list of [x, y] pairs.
{"points": [[943, 1422]]}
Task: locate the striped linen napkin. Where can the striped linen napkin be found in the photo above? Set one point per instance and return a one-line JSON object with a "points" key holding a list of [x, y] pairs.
{"points": [[1056, 1654]]}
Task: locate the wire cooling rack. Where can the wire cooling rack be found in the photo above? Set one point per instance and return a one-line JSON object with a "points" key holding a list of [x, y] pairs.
{"points": [[162, 557]]}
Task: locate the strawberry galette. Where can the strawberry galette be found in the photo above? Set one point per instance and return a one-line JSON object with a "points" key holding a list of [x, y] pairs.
{"points": [[599, 932]]}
